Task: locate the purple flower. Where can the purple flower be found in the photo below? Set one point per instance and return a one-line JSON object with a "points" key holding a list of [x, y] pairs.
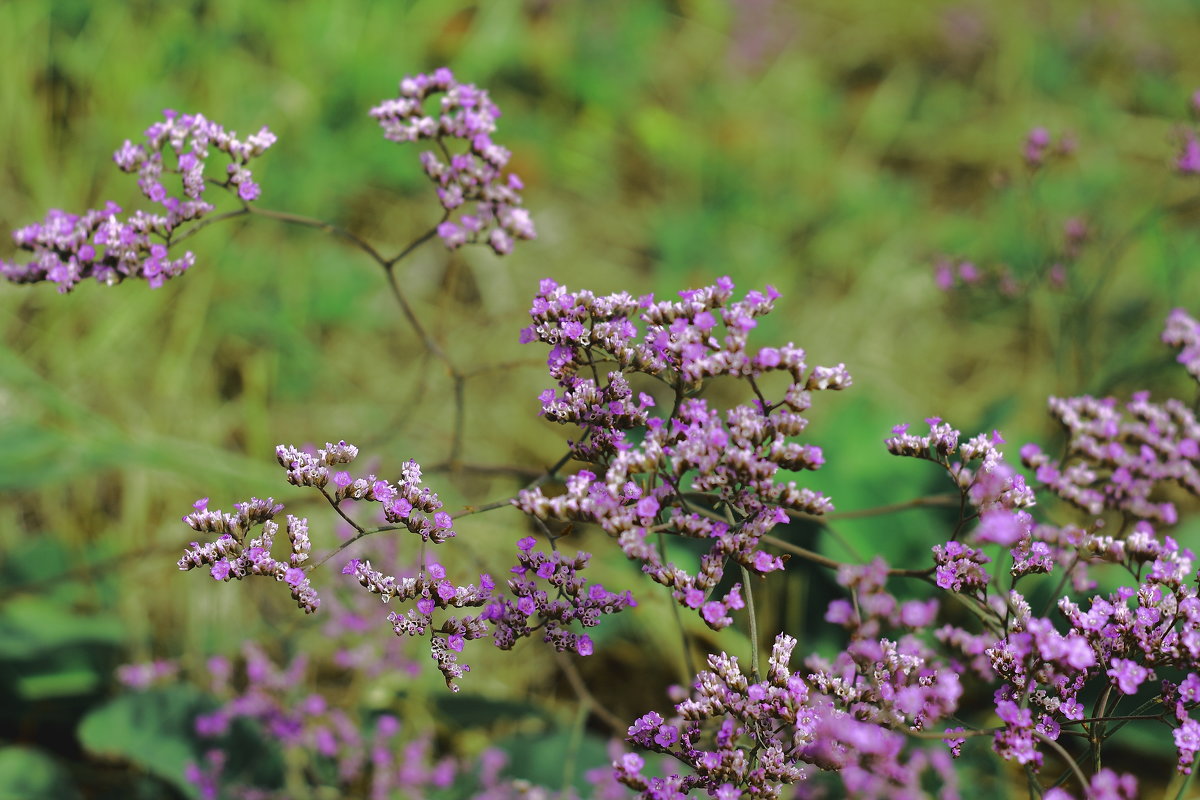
{"points": [[472, 177], [1127, 675]]}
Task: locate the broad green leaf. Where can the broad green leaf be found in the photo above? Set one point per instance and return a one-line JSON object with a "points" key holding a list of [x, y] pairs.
{"points": [[29, 774], [153, 730]]}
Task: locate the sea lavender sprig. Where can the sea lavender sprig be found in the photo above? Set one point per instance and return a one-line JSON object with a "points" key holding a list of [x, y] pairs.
{"points": [[728, 460], [68, 248], [431, 590], [1119, 460], [573, 600], [464, 116], [331, 749], [407, 502], [743, 738], [233, 557]]}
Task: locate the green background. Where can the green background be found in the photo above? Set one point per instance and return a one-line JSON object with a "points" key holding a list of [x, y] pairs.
{"points": [[832, 149]]}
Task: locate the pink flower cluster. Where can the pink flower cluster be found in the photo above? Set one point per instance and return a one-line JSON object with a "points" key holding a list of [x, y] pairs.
{"points": [[728, 460], [742, 737], [575, 601], [1120, 460], [67, 248], [464, 113], [431, 590], [406, 502], [233, 556], [339, 754]]}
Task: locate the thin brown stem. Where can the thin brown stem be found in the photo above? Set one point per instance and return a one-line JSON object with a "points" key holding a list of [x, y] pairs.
{"points": [[825, 561], [204, 223], [317, 224], [940, 500], [338, 508], [414, 244], [1062, 752], [753, 623], [578, 685]]}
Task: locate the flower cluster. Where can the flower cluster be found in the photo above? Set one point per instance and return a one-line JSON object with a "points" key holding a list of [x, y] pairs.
{"points": [[1038, 147], [188, 139], [465, 113], [996, 493], [67, 248], [575, 600], [1118, 460], [1183, 332], [431, 590], [768, 732], [730, 460], [233, 556], [332, 751], [407, 502]]}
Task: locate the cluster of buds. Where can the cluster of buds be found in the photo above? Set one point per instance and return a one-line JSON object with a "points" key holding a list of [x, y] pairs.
{"points": [[431, 590], [1119, 460], [407, 502], [67, 248], [574, 601], [232, 556], [465, 113], [730, 459]]}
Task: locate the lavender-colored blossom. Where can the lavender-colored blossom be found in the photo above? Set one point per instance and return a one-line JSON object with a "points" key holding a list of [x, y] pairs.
{"points": [[571, 599], [1188, 162], [430, 590], [68, 248], [751, 738], [472, 179], [233, 556], [1118, 458], [340, 755], [407, 502], [731, 457]]}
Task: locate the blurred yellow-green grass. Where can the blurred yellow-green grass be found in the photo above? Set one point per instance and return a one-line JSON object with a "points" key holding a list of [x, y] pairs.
{"points": [[832, 149]]}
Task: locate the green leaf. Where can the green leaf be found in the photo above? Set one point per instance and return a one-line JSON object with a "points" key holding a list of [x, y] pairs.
{"points": [[153, 730], [32, 626], [476, 711], [28, 774], [545, 759]]}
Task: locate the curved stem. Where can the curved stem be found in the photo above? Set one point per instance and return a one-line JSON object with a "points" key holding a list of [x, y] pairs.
{"points": [[825, 561], [320, 225], [939, 500], [610, 719], [1062, 751], [204, 223], [753, 623], [388, 264], [1097, 729], [337, 506], [414, 244]]}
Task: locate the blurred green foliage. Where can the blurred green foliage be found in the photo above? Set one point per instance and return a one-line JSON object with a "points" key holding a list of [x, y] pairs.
{"points": [[833, 149]]}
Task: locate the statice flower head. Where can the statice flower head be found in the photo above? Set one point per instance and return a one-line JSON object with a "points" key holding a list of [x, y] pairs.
{"points": [[740, 737], [482, 203], [1039, 146], [570, 599], [147, 674], [339, 754], [428, 591], [234, 556], [731, 458], [1118, 458], [1182, 331], [406, 502], [1188, 162], [68, 248], [996, 492]]}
